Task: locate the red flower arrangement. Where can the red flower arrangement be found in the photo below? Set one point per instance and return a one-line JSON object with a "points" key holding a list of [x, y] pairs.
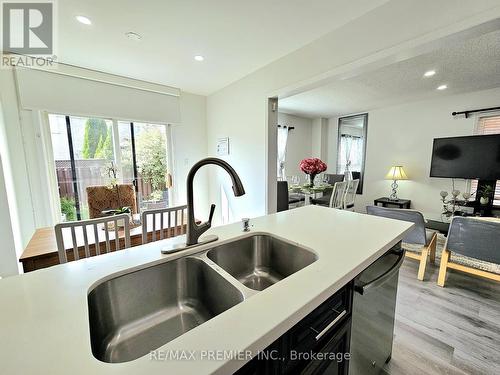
{"points": [[312, 166]]}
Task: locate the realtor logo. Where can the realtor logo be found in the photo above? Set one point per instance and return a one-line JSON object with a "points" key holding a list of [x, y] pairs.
{"points": [[28, 28]]}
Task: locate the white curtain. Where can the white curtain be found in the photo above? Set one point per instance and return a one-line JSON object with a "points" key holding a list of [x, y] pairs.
{"points": [[282, 140], [350, 154]]}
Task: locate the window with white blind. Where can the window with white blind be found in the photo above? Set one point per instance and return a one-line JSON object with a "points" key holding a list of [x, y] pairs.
{"points": [[489, 125]]}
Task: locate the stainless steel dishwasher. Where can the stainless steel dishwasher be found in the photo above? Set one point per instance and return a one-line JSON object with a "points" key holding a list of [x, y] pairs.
{"points": [[374, 305]]}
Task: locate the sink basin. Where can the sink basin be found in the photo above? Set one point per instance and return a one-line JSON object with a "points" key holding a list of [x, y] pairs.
{"points": [[260, 261], [133, 314]]}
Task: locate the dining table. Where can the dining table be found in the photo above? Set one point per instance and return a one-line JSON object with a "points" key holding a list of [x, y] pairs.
{"points": [[310, 192]]}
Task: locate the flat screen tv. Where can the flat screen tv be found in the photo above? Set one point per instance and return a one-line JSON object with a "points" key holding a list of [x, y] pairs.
{"points": [[473, 157]]}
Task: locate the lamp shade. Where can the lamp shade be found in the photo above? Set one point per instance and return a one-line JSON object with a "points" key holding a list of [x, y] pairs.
{"points": [[396, 173]]}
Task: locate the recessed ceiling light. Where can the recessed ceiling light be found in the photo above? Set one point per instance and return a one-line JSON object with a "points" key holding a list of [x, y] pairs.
{"points": [[133, 36], [429, 73], [199, 58], [84, 20], [442, 87]]}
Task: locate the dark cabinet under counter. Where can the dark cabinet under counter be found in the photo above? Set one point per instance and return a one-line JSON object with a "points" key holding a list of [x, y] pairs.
{"points": [[331, 357], [318, 344]]}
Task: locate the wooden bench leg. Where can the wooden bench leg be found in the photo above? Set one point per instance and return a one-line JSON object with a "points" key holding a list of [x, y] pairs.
{"points": [[445, 257], [432, 248], [423, 262]]}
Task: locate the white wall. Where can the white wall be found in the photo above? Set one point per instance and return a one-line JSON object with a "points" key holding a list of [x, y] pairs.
{"points": [[228, 116], [331, 144], [299, 142], [403, 135], [319, 140], [239, 110], [189, 140]]}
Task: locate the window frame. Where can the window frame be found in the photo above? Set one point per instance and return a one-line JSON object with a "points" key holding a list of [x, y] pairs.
{"points": [[54, 188], [473, 183]]}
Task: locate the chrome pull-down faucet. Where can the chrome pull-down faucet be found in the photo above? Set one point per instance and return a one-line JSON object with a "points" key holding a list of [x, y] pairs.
{"points": [[194, 231]]}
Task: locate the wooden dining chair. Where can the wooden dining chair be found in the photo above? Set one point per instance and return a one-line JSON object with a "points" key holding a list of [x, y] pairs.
{"points": [[325, 199], [87, 236], [350, 194], [427, 239], [167, 222], [338, 194], [476, 238]]}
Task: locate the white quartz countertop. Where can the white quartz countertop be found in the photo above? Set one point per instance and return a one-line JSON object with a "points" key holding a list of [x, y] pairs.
{"points": [[44, 325]]}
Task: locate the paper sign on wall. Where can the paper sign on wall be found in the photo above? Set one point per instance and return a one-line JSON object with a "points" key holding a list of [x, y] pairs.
{"points": [[222, 146]]}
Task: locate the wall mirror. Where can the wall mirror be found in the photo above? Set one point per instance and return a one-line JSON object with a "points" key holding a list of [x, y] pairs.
{"points": [[351, 147]]}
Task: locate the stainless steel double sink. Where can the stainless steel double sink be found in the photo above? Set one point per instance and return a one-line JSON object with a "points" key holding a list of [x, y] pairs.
{"points": [[137, 312]]}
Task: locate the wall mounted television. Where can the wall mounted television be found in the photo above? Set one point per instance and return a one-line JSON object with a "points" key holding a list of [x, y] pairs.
{"points": [[471, 157]]}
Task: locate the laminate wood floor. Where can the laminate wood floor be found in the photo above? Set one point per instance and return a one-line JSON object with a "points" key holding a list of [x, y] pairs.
{"points": [[451, 330]]}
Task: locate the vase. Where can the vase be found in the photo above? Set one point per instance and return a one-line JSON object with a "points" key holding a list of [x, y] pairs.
{"points": [[484, 200], [312, 176]]}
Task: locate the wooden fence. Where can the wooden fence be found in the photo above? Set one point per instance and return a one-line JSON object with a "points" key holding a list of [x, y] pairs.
{"points": [[90, 172]]}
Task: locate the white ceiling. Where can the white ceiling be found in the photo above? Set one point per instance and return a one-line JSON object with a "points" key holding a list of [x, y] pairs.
{"points": [[470, 65], [236, 37]]}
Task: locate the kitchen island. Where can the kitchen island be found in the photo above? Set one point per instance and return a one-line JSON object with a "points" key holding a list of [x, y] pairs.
{"points": [[44, 319]]}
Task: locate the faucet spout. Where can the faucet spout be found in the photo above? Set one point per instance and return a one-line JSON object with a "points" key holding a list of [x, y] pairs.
{"points": [[194, 231]]}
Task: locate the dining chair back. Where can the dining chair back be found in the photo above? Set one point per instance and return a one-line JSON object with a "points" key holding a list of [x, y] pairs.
{"points": [[326, 197], [166, 222], [357, 176], [282, 196], [350, 194], [87, 236], [476, 238], [333, 178], [417, 236], [338, 194]]}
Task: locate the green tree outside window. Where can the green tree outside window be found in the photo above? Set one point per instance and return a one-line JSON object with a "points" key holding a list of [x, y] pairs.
{"points": [[152, 157], [95, 130]]}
